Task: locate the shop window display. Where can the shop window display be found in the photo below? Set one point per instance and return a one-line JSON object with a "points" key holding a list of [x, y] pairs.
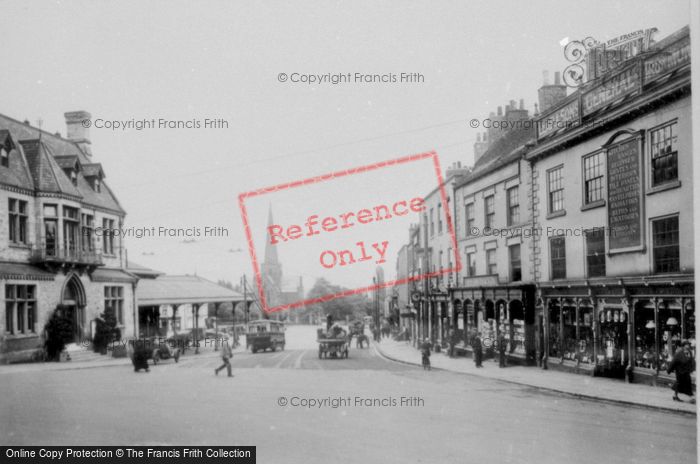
{"points": [[613, 338], [569, 334], [585, 335], [554, 347]]}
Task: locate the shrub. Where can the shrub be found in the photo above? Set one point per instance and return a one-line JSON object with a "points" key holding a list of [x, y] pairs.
{"points": [[59, 332]]}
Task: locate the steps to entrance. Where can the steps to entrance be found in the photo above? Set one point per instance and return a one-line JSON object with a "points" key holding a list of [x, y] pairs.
{"points": [[80, 353]]}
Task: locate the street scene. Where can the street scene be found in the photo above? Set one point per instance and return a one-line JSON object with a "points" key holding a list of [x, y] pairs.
{"points": [[349, 232], [185, 403]]}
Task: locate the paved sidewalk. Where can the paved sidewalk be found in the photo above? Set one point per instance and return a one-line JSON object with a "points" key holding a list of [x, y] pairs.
{"points": [[102, 361], [582, 386]]}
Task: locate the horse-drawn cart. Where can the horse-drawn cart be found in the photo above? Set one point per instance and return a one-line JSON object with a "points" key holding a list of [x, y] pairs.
{"points": [[333, 344]]}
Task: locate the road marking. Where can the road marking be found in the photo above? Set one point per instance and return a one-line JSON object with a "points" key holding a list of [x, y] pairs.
{"points": [[279, 364], [297, 363]]}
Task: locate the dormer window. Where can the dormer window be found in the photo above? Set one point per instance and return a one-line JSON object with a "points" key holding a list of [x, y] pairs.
{"points": [[4, 157], [96, 186], [73, 174]]}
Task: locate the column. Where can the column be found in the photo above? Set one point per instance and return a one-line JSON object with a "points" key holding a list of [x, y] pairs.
{"points": [[655, 300], [629, 371], [594, 304], [545, 332], [560, 301], [195, 324], [577, 302]]}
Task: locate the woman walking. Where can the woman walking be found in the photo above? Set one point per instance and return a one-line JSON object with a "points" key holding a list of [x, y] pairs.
{"points": [[683, 365]]}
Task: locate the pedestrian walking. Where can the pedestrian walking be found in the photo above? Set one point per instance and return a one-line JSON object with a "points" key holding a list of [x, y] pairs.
{"points": [[452, 340], [226, 355], [683, 364], [425, 354], [502, 342], [477, 350]]}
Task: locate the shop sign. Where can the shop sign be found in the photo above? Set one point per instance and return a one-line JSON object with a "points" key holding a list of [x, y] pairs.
{"points": [[563, 118], [625, 196], [613, 89], [606, 57], [671, 58]]}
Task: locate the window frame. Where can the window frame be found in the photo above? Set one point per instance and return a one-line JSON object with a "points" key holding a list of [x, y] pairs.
{"points": [[18, 221], [672, 124], [652, 237], [469, 219], [4, 157], [511, 261], [587, 247], [585, 203], [550, 203], [489, 216], [513, 219], [552, 267], [491, 252], [20, 309], [114, 299]]}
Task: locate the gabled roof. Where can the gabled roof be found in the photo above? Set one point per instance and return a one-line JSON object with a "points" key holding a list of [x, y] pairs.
{"points": [[68, 162], [43, 156], [93, 170], [17, 173], [47, 175], [182, 290]]}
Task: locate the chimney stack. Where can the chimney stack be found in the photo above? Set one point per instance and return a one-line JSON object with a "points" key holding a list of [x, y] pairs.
{"points": [[78, 129], [551, 95]]}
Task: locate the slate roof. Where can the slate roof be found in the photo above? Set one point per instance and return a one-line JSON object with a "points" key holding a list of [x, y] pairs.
{"points": [[182, 290], [505, 150], [37, 162]]}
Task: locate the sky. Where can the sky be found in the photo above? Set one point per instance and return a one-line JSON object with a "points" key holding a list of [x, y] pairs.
{"points": [[222, 60]]}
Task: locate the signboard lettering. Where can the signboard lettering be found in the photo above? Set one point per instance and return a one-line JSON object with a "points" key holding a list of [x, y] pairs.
{"points": [[611, 90], [624, 196], [673, 57]]}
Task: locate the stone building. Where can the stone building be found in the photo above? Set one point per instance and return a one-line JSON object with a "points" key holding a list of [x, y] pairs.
{"points": [[57, 252]]}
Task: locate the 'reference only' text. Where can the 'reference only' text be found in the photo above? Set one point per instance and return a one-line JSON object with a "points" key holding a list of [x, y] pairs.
{"points": [[360, 251]]}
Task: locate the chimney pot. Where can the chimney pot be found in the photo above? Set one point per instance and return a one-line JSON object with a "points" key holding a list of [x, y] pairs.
{"points": [[500, 111], [26, 122], [545, 77], [557, 78], [522, 104]]}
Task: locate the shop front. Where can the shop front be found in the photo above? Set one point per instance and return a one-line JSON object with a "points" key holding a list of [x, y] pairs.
{"points": [[620, 328], [497, 312]]}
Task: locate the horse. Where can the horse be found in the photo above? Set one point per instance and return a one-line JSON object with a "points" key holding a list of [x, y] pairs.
{"points": [[361, 340]]}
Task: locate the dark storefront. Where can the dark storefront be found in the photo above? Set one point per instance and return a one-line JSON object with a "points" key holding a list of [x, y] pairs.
{"points": [[623, 328]]}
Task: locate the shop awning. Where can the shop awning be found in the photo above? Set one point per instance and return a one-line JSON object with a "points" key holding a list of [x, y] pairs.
{"points": [[23, 271], [182, 290]]}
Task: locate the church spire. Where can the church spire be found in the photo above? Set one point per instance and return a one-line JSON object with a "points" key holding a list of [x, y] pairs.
{"points": [[270, 249]]}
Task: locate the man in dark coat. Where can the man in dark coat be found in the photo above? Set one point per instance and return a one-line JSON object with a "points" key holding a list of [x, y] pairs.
{"points": [[425, 353], [477, 349], [502, 342], [683, 365]]}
